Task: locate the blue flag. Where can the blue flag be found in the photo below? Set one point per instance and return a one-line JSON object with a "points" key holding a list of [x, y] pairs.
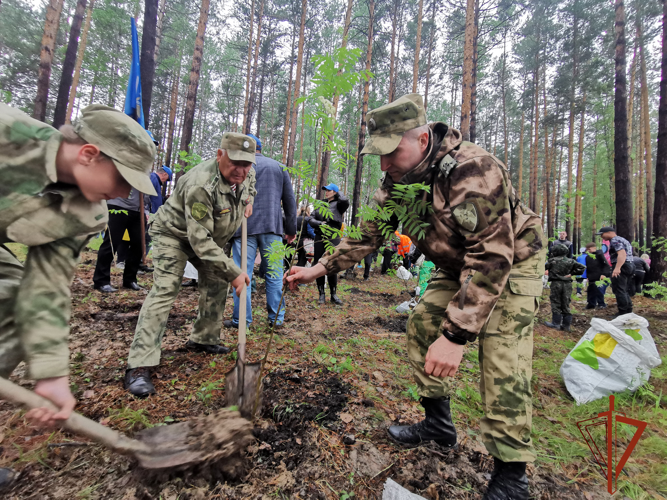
{"points": [[133, 105]]}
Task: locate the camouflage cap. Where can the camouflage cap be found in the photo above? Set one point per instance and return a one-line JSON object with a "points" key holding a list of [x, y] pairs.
{"points": [[239, 147], [388, 123], [123, 140]]}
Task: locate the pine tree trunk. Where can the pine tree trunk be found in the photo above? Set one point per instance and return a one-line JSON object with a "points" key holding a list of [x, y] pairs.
{"points": [[647, 142], [415, 67], [68, 65], [249, 67], [504, 94], [356, 195], [520, 179], [176, 77], [53, 11], [261, 98], [147, 62], [536, 128], [547, 164], [580, 176], [288, 108], [158, 30], [326, 154], [79, 62], [623, 183], [467, 70], [299, 63], [473, 91], [640, 180], [392, 57], [595, 186], [658, 254], [251, 101], [570, 144], [430, 52]]}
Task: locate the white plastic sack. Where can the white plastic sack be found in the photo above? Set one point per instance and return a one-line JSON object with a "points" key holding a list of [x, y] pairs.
{"points": [[403, 273], [190, 272], [407, 306], [394, 491], [611, 357]]}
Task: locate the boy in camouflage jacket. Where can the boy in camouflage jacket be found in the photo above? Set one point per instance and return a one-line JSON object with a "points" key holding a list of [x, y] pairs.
{"points": [[561, 268]]}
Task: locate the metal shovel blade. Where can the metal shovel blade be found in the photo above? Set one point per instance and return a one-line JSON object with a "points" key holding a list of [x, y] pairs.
{"points": [[241, 388]]}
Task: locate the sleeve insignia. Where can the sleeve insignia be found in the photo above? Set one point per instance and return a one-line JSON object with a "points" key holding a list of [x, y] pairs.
{"points": [[466, 216], [199, 211]]}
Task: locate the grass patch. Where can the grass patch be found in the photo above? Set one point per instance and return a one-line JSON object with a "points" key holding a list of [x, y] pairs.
{"points": [[95, 243]]}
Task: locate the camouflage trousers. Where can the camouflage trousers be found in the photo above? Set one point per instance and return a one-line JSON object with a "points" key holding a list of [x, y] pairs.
{"points": [[505, 356], [11, 350], [169, 258], [561, 295]]}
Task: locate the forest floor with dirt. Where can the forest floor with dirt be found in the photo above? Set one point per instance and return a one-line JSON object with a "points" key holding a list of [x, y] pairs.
{"points": [[337, 378]]}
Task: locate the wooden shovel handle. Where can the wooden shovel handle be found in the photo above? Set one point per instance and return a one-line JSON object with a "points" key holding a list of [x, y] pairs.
{"points": [[244, 290], [75, 423]]}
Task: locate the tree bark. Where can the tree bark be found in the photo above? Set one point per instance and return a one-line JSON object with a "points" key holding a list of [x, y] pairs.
{"points": [[249, 67], [467, 70], [640, 186], [68, 65], [570, 144], [158, 30], [659, 252], [356, 195], [580, 176], [176, 77], [53, 11], [595, 185], [79, 62], [147, 61], [299, 63], [536, 144], [251, 101], [473, 90], [430, 53], [415, 67], [520, 179], [191, 100], [647, 141], [392, 57], [326, 154], [288, 108], [504, 94]]}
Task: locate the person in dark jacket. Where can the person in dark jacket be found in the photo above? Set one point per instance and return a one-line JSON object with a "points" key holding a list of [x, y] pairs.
{"points": [[304, 230], [561, 268], [596, 268], [338, 204], [641, 268], [562, 240]]}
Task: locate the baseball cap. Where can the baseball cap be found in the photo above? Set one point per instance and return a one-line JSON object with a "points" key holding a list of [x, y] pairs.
{"points": [[331, 187], [606, 229], [388, 123], [259, 143], [168, 171], [150, 134], [239, 147], [123, 140]]}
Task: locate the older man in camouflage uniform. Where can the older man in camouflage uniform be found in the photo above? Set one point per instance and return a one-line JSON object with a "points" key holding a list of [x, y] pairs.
{"points": [[489, 249], [54, 184], [202, 214], [561, 268]]}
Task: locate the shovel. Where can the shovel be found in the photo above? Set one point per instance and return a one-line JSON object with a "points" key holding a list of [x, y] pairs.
{"points": [[211, 438], [242, 383]]}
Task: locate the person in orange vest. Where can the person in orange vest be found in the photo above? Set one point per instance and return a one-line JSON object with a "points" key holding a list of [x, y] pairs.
{"points": [[404, 249]]}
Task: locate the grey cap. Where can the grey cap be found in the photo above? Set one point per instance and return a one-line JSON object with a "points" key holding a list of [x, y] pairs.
{"points": [[239, 147]]}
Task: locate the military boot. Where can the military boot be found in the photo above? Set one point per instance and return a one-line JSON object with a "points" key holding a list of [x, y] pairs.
{"points": [[508, 481], [138, 382], [567, 321], [323, 297], [437, 426], [556, 320]]}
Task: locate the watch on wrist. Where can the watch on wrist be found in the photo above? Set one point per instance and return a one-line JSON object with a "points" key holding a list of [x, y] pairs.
{"points": [[453, 338]]}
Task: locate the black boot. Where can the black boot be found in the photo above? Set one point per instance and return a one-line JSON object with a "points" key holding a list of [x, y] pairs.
{"points": [[437, 426], [555, 322], [208, 349], [333, 284], [138, 382], [567, 321], [508, 481], [323, 297]]}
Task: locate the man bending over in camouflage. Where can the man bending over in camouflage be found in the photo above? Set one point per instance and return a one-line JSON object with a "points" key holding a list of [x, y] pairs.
{"points": [[561, 268], [201, 215], [54, 184], [489, 249]]}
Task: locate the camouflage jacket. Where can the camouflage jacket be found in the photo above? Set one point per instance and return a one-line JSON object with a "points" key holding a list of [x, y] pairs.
{"points": [[477, 230], [560, 266], [204, 212], [55, 221]]}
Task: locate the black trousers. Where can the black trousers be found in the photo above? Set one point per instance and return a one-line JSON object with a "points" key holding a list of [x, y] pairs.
{"points": [[118, 223], [636, 283], [368, 262], [595, 297], [318, 252], [620, 286], [387, 255], [124, 248]]}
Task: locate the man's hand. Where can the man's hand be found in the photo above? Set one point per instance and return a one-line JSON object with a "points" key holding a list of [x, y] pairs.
{"points": [[299, 275], [57, 391], [443, 358], [248, 211], [238, 282], [616, 272], [290, 238]]}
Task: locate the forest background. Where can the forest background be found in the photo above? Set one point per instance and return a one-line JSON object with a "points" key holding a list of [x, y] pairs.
{"points": [[564, 93]]}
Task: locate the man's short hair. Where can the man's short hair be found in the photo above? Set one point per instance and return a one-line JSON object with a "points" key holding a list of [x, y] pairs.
{"points": [[590, 245]]}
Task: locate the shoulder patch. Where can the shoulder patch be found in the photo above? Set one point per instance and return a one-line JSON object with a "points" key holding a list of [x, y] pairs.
{"points": [[447, 164], [466, 216], [199, 211]]}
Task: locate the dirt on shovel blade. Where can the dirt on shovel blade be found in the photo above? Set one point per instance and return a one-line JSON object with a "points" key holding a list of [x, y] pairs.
{"points": [[211, 438]]}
